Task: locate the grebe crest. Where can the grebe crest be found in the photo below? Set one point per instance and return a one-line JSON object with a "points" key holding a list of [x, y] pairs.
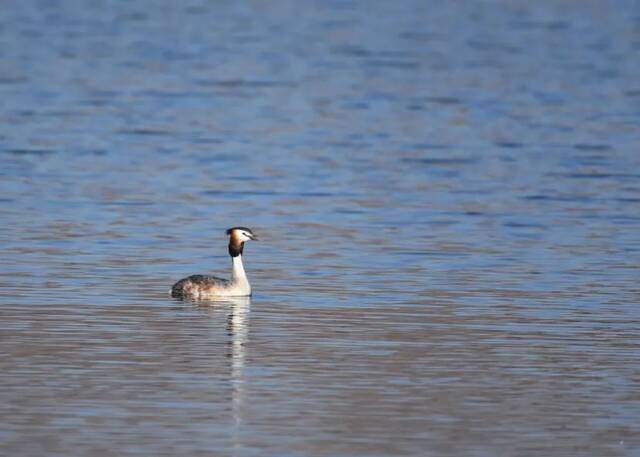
{"points": [[205, 286]]}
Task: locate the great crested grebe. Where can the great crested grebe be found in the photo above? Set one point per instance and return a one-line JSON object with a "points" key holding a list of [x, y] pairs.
{"points": [[204, 286]]}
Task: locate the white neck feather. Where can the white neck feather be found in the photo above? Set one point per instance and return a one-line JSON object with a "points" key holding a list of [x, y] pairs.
{"points": [[238, 276]]}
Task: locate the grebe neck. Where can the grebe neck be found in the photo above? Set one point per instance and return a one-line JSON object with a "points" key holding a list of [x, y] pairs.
{"points": [[237, 270]]}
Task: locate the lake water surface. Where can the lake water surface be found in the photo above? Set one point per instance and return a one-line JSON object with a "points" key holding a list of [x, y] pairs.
{"points": [[448, 197]]}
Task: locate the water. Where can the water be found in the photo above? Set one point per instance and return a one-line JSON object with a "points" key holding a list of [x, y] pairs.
{"points": [[449, 201]]}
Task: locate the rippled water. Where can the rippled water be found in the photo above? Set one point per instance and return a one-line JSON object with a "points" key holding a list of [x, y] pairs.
{"points": [[448, 195]]}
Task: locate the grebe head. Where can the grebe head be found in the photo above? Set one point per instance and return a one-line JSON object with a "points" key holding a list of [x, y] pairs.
{"points": [[237, 237], [241, 234]]}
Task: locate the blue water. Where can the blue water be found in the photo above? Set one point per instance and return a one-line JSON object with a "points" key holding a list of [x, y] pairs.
{"points": [[447, 196]]}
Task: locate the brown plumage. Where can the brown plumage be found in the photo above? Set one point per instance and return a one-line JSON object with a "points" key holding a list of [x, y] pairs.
{"points": [[197, 285]]}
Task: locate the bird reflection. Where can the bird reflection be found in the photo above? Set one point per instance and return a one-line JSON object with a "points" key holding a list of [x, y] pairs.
{"points": [[237, 329]]}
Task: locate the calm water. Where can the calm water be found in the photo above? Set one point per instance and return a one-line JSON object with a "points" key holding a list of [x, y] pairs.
{"points": [[448, 195]]}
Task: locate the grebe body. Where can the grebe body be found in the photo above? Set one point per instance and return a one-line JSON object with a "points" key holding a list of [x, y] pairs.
{"points": [[205, 286]]}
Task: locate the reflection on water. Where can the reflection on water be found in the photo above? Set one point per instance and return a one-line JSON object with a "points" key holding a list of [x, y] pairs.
{"points": [[239, 330], [449, 196], [237, 309]]}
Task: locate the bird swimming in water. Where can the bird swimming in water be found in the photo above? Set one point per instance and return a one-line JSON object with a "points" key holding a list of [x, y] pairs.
{"points": [[204, 286]]}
